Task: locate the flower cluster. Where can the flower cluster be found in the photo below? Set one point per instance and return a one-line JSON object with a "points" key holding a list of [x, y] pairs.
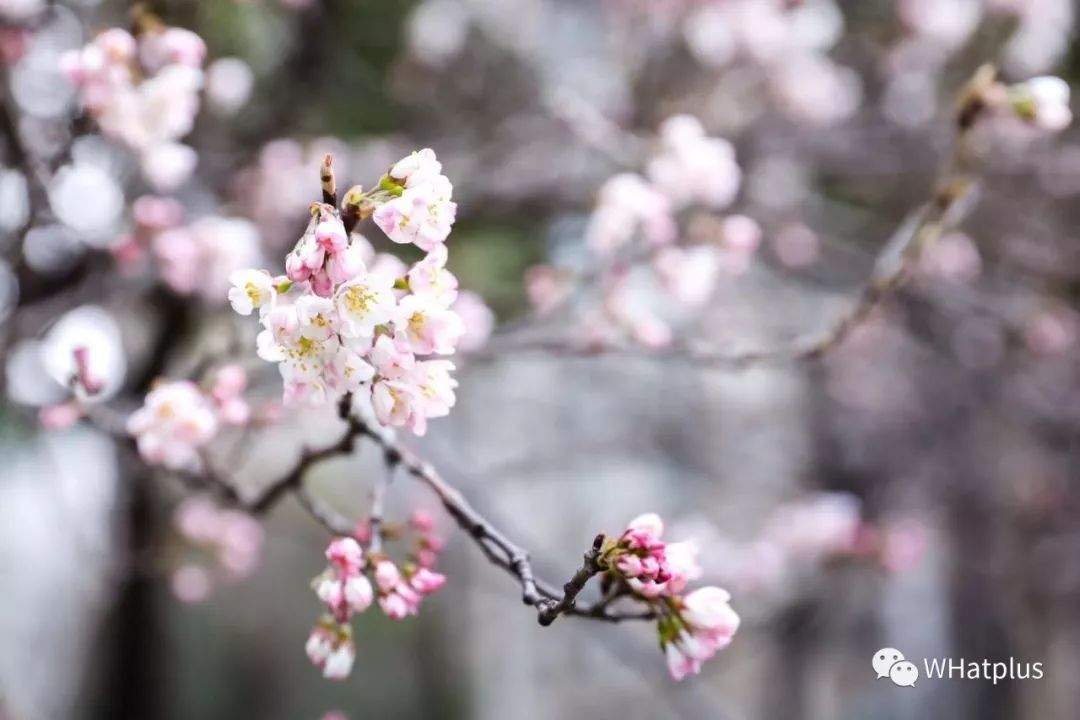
{"points": [[689, 171], [693, 168], [692, 626], [145, 93], [338, 323], [345, 588], [193, 259], [178, 418], [331, 648], [420, 211], [233, 538], [786, 45]]}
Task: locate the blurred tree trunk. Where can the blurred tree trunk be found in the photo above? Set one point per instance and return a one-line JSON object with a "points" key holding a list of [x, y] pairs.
{"points": [[133, 684]]}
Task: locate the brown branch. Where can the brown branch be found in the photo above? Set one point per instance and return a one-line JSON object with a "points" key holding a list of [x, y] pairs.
{"points": [[496, 546], [292, 480], [325, 515], [551, 609], [467, 517], [493, 543]]}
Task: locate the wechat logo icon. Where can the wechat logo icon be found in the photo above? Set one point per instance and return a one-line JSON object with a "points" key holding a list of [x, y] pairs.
{"points": [[890, 663]]}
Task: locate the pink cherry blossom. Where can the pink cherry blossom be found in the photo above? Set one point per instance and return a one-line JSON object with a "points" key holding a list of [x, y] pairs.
{"points": [[708, 611], [429, 278], [345, 554], [422, 215], [692, 167], [644, 531], [175, 421], [427, 327], [627, 206]]}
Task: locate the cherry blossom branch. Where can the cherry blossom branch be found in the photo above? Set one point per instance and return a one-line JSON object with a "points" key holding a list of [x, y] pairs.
{"points": [[323, 513], [493, 542], [292, 480], [893, 267], [919, 230], [497, 547], [551, 609]]}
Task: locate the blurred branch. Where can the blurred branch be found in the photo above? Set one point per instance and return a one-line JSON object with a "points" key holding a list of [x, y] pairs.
{"points": [[893, 268], [378, 505], [323, 513]]}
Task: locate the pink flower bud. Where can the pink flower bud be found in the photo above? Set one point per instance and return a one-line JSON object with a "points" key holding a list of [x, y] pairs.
{"points": [[682, 565], [644, 531], [629, 565], [680, 665], [646, 588], [707, 609], [387, 576], [346, 555], [320, 644], [346, 264], [426, 582], [649, 523], [434, 542], [330, 235], [394, 606], [340, 661], [422, 521], [295, 269], [321, 284], [358, 593]]}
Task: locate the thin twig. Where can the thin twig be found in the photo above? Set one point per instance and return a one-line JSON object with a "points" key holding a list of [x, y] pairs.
{"points": [[329, 518], [551, 609], [378, 505], [495, 545]]}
